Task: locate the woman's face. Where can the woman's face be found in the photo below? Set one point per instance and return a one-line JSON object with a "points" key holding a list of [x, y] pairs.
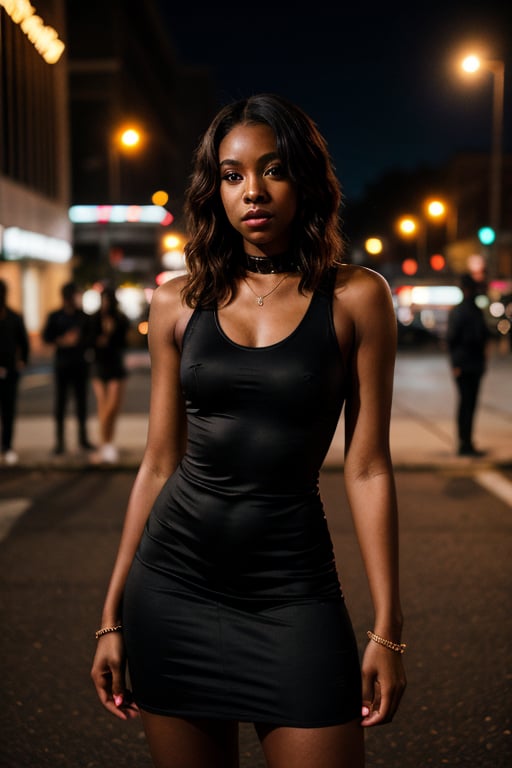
{"points": [[259, 198]]}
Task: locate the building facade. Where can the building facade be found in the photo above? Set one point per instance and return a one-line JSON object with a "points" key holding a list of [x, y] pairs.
{"points": [[72, 76], [35, 231], [124, 74]]}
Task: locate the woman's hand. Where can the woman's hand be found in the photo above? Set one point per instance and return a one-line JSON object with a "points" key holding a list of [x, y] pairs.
{"points": [[383, 684], [108, 674]]}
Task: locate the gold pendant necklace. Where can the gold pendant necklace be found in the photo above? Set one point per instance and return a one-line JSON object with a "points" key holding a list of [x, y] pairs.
{"points": [[260, 297]]}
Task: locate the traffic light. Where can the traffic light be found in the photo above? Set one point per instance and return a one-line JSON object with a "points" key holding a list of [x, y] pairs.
{"points": [[486, 235]]}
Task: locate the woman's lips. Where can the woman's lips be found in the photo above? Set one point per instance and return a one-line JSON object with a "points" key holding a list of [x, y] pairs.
{"points": [[256, 218], [256, 222]]}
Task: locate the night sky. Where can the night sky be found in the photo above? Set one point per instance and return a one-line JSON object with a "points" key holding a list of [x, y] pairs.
{"points": [[383, 84]]}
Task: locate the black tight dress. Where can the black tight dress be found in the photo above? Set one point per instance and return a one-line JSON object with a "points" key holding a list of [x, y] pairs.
{"points": [[233, 607]]}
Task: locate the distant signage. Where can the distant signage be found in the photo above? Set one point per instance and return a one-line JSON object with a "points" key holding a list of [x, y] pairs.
{"points": [[22, 244], [44, 39], [120, 214]]}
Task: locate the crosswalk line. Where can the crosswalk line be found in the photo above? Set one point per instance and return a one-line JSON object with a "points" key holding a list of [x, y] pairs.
{"points": [[496, 483], [10, 511]]}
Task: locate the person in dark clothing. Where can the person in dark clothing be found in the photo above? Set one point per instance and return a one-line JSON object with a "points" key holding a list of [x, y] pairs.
{"points": [[14, 354], [467, 340], [67, 329], [224, 604], [108, 340]]}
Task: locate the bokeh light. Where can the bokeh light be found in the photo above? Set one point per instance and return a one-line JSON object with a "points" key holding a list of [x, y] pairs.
{"points": [[160, 197], [471, 63], [436, 208], [409, 266], [486, 235], [503, 326], [171, 242], [407, 225], [497, 309], [373, 246], [437, 262], [130, 137]]}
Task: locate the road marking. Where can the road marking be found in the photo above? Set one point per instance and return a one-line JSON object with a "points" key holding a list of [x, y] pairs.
{"points": [[10, 510], [496, 483]]}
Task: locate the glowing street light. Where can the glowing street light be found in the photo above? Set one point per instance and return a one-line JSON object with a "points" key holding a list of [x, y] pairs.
{"points": [[408, 226], [126, 139], [436, 209], [472, 64], [130, 138]]}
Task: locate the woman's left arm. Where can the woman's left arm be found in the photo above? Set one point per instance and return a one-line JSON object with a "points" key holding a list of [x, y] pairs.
{"points": [[369, 481]]}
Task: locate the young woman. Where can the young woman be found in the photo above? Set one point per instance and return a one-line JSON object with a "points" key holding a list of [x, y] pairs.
{"points": [[109, 329], [225, 600]]}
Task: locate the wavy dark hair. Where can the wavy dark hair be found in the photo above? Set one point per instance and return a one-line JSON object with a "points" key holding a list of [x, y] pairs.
{"points": [[212, 253]]}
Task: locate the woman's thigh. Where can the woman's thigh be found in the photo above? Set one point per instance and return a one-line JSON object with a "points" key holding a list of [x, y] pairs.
{"points": [[181, 743], [334, 746]]}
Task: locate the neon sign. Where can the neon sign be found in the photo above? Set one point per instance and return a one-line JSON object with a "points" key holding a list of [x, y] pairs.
{"points": [[120, 214], [22, 244]]}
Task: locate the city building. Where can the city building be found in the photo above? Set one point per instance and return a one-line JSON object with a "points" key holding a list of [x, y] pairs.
{"points": [[136, 115], [74, 77], [35, 231]]}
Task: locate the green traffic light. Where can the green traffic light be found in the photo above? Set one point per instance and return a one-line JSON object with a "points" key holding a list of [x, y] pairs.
{"points": [[486, 235]]}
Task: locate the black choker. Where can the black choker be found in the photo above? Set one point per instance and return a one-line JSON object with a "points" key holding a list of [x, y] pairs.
{"points": [[271, 265]]}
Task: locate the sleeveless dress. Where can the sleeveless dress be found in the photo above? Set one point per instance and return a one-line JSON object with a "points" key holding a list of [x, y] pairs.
{"points": [[233, 607]]}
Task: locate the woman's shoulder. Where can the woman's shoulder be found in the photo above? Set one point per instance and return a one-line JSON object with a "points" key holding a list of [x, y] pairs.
{"points": [[356, 282], [167, 303], [168, 295]]}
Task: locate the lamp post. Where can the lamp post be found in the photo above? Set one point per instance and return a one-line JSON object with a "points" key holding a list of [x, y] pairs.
{"points": [[497, 68], [127, 139]]}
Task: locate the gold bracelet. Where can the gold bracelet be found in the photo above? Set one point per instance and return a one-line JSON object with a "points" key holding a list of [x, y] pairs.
{"points": [[106, 630], [397, 647]]}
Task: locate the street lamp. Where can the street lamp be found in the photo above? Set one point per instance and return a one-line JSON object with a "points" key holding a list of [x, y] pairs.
{"points": [[472, 64], [127, 139], [435, 208]]}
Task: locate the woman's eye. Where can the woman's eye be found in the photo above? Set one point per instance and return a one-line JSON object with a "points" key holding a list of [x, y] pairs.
{"points": [[231, 176], [275, 170]]}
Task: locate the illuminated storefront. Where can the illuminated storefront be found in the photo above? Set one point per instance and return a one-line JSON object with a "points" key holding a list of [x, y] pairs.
{"points": [[35, 231]]}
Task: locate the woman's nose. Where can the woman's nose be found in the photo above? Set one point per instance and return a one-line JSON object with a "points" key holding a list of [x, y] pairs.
{"points": [[254, 190]]}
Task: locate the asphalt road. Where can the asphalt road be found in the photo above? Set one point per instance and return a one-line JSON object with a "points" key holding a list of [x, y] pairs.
{"points": [[56, 557]]}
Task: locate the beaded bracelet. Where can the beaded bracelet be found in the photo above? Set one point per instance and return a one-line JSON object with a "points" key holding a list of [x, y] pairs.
{"points": [[397, 647], [100, 632]]}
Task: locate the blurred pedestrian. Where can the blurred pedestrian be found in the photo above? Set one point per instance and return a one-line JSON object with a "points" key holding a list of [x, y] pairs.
{"points": [[225, 595], [109, 328], [467, 338], [14, 354], [67, 329]]}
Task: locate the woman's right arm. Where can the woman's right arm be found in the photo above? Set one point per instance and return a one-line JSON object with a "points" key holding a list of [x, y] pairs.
{"points": [[164, 448]]}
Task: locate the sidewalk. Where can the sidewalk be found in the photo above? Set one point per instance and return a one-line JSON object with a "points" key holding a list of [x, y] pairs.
{"points": [[422, 424]]}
